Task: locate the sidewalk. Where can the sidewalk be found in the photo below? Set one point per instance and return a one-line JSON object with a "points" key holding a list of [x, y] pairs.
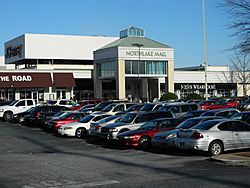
{"points": [[239, 158]]}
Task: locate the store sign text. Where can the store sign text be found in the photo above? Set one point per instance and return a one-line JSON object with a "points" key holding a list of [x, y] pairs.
{"points": [[196, 86], [15, 78], [14, 51], [132, 53]]}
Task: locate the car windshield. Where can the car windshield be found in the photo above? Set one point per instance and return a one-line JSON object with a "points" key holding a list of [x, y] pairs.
{"points": [[133, 108], [188, 123], [107, 119], [149, 125], [12, 103], [101, 105], [206, 125], [65, 115], [147, 107], [108, 108], [87, 119], [241, 116], [128, 118]]}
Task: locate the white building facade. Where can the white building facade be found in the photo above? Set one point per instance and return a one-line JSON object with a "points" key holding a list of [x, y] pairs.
{"points": [[43, 67]]}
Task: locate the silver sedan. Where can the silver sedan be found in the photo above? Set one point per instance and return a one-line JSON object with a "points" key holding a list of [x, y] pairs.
{"points": [[215, 136]]}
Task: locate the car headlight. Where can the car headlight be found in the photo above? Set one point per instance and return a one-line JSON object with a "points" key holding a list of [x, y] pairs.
{"points": [[66, 128], [113, 130], [171, 136], [1, 110]]}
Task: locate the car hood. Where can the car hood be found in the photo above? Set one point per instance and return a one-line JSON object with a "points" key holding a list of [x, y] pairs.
{"points": [[118, 124], [134, 132], [71, 124]]}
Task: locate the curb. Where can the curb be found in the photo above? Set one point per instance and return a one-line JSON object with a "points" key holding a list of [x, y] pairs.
{"points": [[229, 160]]}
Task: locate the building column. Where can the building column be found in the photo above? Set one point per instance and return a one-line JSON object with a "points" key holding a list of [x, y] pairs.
{"points": [[97, 82], [169, 81], [144, 89], [120, 80]]}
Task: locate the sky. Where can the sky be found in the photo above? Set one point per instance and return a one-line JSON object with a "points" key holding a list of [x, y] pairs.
{"points": [[177, 23]]}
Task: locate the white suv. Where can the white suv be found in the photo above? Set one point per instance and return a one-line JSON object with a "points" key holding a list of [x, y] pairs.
{"points": [[17, 106]]}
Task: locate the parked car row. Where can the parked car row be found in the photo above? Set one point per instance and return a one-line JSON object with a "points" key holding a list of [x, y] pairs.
{"points": [[160, 125]]}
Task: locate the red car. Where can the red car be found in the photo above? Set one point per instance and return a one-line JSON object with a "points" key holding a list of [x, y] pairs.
{"points": [[67, 117], [213, 105], [233, 103], [82, 103], [142, 136]]}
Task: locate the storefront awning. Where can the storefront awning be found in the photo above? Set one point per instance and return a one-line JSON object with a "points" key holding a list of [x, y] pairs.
{"points": [[25, 80], [64, 80]]}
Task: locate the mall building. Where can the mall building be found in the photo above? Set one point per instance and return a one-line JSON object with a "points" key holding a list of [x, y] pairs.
{"points": [[43, 67]]}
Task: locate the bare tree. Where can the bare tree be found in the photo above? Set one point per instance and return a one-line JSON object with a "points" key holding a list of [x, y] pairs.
{"points": [[241, 67], [239, 22]]}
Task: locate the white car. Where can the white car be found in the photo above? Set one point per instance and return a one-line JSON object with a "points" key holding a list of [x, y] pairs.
{"points": [[95, 128], [18, 106], [80, 129], [114, 108]]}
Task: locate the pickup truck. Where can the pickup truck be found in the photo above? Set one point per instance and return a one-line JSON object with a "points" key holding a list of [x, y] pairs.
{"points": [[7, 111]]}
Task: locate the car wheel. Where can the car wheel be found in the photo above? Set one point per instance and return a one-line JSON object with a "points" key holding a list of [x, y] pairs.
{"points": [[81, 133], [8, 116], [215, 148], [144, 142]]}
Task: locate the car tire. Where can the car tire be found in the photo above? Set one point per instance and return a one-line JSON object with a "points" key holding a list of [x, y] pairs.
{"points": [[81, 133], [8, 116], [215, 148], [144, 142]]}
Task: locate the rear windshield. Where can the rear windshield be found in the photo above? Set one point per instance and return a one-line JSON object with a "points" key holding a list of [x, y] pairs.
{"points": [[188, 123], [206, 125]]}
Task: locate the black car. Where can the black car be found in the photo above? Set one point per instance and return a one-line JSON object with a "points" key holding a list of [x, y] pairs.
{"points": [[19, 117], [38, 115]]}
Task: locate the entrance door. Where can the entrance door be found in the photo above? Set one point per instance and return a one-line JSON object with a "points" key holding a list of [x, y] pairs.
{"points": [[61, 94]]}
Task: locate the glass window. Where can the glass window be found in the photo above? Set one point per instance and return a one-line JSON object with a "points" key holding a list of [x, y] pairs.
{"points": [[29, 102], [128, 67], [134, 67], [21, 103], [240, 126], [225, 127]]}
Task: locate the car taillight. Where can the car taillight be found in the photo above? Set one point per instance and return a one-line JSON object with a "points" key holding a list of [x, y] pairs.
{"points": [[98, 127], [197, 135], [38, 114]]}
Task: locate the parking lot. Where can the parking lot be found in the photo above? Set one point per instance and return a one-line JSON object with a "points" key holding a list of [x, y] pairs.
{"points": [[32, 158]]}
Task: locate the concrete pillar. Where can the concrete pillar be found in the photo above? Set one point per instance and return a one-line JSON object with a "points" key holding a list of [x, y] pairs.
{"points": [[144, 89], [159, 88], [97, 82], [169, 81], [120, 80]]}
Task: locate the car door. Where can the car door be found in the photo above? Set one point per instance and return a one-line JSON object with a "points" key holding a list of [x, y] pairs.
{"points": [[226, 135], [241, 134]]}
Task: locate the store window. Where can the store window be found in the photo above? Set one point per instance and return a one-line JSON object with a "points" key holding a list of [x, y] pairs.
{"points": [[108, 69], [61, 93], [145, 67]]}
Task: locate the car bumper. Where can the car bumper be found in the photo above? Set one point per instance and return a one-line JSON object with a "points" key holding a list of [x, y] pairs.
{"points": [[192, 144], [1, 114], [69, 132], [108, 135]]}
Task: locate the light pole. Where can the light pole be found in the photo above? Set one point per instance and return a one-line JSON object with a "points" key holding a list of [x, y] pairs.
{"points": [[204, 43], [138, 63]]}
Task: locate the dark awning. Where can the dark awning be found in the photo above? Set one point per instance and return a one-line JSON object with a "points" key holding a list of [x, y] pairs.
{"points": [[25, 80], [64, 80]]}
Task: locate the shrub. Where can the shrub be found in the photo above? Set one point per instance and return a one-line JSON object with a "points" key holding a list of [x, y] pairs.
{"points": [[193, 96], [168, 96]]}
